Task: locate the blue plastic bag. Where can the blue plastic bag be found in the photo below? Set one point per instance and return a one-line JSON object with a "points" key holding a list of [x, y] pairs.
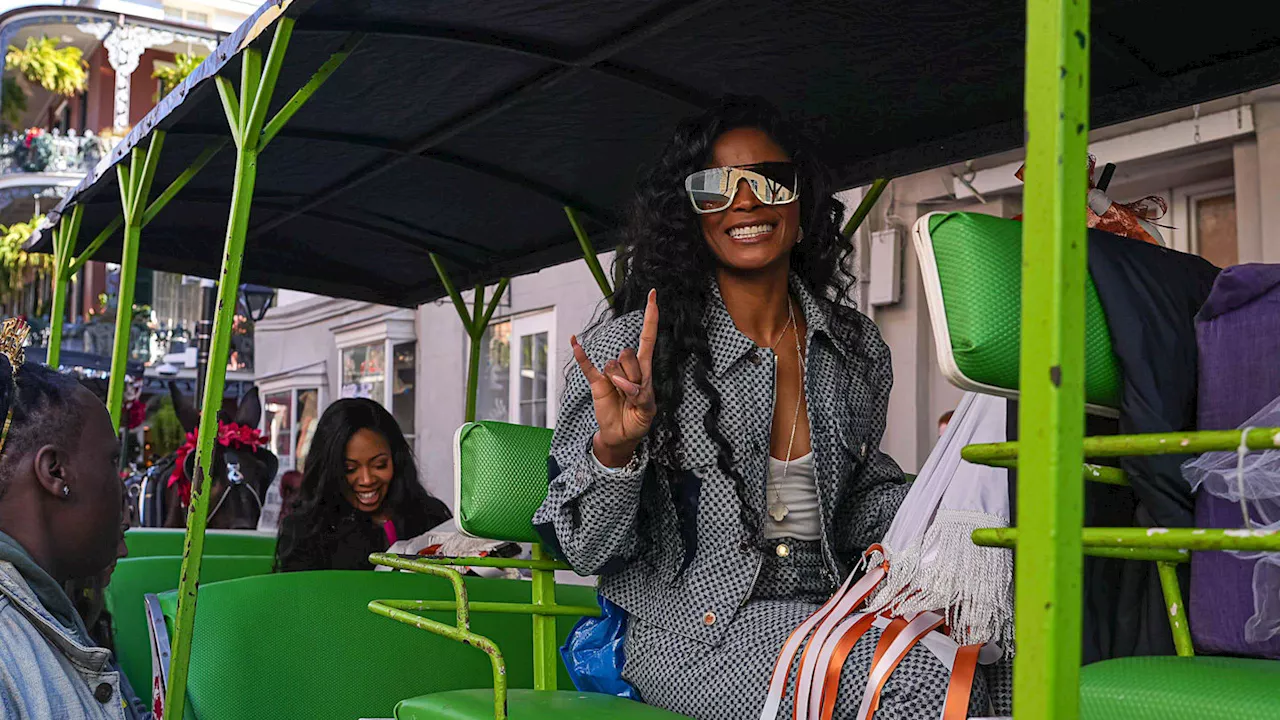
{"points": [[593, 653]]}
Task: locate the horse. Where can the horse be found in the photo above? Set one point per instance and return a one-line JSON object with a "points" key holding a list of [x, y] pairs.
{"points": [[243, 468]]}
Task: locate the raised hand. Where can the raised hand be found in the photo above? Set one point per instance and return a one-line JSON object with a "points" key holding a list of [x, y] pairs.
{"points": [[622, 393]]}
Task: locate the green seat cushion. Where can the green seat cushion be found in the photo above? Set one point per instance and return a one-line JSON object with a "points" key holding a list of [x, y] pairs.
{"points": [[1170, 688], [306, 645], [134, 578], [502, 479], [528, 705], [146, 542], [979, 266]]}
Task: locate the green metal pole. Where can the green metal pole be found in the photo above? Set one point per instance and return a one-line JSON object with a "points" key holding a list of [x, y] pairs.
{"points": [[1180, 443], [497, 608], [180, 182], [135, 186], [589, 254], [1177, 609], [475, 321], [1051, 421], [256, 87], [1194, 539], [545, 660], [64, 243], [864, 207], [295, 103], [97, 243], [473, 362]]}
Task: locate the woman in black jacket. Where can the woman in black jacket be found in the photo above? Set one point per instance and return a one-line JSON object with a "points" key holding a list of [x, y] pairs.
{"points": [[360, 493]]}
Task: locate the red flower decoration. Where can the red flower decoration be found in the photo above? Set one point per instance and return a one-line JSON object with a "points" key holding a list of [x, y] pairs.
{"points": [[230, 435]]}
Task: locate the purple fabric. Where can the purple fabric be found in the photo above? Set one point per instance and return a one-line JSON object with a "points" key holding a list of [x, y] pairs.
{"points": [[1237, 286], [1238, 332]]}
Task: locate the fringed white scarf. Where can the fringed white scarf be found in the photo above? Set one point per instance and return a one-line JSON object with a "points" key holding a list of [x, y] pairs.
{"points": [[933, 563]]}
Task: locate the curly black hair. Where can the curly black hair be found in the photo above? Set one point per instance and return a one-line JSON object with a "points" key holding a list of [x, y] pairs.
{"points": [[663, 248]]}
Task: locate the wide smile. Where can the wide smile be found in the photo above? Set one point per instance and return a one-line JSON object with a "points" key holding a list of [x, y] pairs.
{"points": [[748, 234], [368, 497]]}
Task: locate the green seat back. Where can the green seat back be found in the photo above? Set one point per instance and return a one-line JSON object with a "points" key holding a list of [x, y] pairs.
{"points": [[304, 644], [146, 542], [972, 270], [1172, 688], [137, 577], [528, 705], [501, 479]]}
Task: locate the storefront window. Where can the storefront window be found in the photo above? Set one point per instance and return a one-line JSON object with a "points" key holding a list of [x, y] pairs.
{"points": [[277, 424], [363, 372], [494, 391], [516, 384], [403, 393], [288, 422], [307, 411], [533, 379]]}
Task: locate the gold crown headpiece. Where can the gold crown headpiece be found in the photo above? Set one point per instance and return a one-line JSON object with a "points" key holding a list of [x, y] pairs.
{"points": [[13, 341]]}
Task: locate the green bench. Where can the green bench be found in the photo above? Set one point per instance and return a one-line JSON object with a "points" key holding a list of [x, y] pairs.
{"points": [[501, 480], [971, 265], [304, 644], [135, 578], [147, 542]]}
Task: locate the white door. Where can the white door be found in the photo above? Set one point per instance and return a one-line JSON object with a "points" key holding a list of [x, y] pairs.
{"points": [[533, 377]]}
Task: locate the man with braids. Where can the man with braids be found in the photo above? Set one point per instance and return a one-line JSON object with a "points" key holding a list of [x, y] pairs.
{"points": [[717, 462], [60, 520]]}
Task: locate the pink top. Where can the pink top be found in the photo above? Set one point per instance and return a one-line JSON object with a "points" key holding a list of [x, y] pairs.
{"points": [[390, 529]]}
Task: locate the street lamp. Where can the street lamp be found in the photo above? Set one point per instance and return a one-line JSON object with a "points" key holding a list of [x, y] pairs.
{"points": [[257, 300]]}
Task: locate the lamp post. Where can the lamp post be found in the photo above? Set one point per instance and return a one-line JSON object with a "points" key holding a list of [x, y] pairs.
{"points": [[257, 299], [204, 332]]}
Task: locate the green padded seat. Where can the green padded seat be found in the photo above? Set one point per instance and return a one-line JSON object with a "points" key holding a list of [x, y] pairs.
{"points": [[972, 270], [137, 577], [147, 542], [500, 478], [527, 705], [304, 644], [1172, 688]]}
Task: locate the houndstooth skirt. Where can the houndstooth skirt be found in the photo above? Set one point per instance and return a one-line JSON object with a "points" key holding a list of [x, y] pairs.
{"points": [[729, 682]]}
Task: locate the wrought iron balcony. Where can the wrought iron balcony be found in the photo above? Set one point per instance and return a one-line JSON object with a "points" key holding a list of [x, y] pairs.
{"points": [[51, 151]]}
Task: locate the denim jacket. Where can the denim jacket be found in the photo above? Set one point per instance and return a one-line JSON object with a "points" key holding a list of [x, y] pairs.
{"points": [[48, 670]]}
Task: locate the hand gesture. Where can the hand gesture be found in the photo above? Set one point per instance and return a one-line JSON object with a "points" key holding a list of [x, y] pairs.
{"points": [[623, 393]]}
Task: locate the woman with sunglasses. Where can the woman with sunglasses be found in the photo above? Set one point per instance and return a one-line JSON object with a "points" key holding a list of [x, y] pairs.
{"points": [[717, 461]]}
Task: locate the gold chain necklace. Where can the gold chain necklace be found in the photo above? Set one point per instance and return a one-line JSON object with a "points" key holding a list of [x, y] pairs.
{"points": [[778, 510]]}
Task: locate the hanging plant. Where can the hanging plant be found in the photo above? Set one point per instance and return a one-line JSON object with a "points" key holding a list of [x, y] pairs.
{"points": [[170, 76], [13, 103], [17, 266], [60, 70]]}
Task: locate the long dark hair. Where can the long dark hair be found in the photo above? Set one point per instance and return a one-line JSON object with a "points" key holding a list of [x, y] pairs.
{"points": [[663, 248], [321, 501]]}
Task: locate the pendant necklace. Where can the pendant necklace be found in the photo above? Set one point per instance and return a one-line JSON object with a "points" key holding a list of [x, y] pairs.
{"points": [[778, 510]]}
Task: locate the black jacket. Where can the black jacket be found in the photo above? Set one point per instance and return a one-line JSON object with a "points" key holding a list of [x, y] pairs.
{"points": [[348, 541], [1150, 296]]}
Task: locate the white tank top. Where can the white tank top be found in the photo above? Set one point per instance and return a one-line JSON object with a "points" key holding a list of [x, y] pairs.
{"points": [[799, 492]]}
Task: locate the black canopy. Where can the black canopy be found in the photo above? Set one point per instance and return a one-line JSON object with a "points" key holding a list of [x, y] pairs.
{"points": [[464, 127]]}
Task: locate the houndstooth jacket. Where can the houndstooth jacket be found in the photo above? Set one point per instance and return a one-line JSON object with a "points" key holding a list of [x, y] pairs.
{"points": [[701, 566]]}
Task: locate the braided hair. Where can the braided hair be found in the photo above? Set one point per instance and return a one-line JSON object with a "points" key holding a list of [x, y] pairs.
{"points": [[43, 406]]}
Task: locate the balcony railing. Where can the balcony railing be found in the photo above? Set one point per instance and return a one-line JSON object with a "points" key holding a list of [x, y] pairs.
{"points": [[51, 151]]}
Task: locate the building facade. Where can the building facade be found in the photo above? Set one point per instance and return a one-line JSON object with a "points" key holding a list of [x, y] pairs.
{"points": [[1212, 165], [52, 141]]}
